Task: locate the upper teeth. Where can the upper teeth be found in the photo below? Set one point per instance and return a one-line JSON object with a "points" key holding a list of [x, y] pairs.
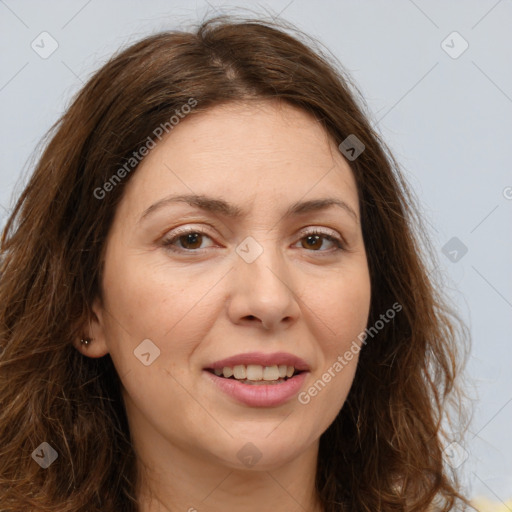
{"points": [[256, 372]]}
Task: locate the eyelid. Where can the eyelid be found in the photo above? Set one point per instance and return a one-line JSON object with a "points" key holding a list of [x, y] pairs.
{"points": [[320, 230], [179, 231], [176, 233], [328, 233]]}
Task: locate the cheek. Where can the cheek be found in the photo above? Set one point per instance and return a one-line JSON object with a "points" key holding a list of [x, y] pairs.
{"points": [[341, 305], [340, 310], [158, 302], [175, 312], [321, 400], [174, 309]]}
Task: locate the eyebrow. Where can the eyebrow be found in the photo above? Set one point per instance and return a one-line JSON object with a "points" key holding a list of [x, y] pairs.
{"points": [[219, 206]]}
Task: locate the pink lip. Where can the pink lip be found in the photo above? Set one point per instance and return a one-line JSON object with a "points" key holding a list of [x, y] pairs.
{"points": [[259, 395], [278, 358]]}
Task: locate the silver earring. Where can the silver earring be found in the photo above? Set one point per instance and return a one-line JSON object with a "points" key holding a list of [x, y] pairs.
{"points": [[85, 341]]}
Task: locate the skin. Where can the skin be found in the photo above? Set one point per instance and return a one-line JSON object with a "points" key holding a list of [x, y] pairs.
{"points": [[307, 298]]}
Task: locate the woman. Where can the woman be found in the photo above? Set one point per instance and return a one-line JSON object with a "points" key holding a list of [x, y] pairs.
{"points": [[213, 295]]}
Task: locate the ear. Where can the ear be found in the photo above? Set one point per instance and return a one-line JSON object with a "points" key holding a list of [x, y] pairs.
{"points": [[97, 347]]}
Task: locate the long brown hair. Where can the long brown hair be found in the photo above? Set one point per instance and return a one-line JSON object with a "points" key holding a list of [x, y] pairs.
{"points": [[382, 453]]}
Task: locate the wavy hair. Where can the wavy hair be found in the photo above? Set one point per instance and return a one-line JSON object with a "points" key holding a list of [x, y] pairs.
{"points": [[384, 450]]}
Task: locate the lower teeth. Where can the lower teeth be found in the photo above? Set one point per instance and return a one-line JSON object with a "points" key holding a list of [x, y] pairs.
{"points": [[260, 382]]}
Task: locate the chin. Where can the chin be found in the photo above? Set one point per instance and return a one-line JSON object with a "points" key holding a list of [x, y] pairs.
{"points": [[261, 451]]}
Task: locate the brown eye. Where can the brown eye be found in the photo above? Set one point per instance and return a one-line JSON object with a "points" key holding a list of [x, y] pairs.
{"points": [[186, 241], [191, 241], [314, 241]]}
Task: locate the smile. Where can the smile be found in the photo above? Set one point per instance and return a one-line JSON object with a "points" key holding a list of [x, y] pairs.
{"points": [[256, 374], [258, 393]]}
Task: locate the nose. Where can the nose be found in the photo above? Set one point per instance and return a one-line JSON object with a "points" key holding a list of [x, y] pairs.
{"points": [[263, 292]]}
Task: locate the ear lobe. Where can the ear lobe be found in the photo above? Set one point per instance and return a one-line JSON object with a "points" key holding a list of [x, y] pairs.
{"points": [[97, 346]]}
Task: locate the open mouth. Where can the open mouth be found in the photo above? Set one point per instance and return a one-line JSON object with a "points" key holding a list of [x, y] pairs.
{"points": [[259, 385], [256, 375]]}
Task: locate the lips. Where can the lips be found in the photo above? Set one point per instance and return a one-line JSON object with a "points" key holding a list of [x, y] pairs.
{"points": [[258, 358], [255, 379], [259, 395]]}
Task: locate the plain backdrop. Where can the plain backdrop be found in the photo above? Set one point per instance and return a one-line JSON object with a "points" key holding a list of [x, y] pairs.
{"points": [[442, 101]]}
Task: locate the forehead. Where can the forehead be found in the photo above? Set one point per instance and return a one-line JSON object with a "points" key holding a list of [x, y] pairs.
{"points": [[259, 152], [274, 131]]}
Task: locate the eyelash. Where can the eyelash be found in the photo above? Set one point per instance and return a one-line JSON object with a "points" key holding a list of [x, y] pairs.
{"points": [[168, 242]]}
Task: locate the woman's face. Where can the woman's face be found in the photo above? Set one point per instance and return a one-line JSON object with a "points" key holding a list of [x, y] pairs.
{"points": [[262, 268]]}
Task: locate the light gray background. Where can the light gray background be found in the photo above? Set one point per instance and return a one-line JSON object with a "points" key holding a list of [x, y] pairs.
{"points": [[448, 121]]}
